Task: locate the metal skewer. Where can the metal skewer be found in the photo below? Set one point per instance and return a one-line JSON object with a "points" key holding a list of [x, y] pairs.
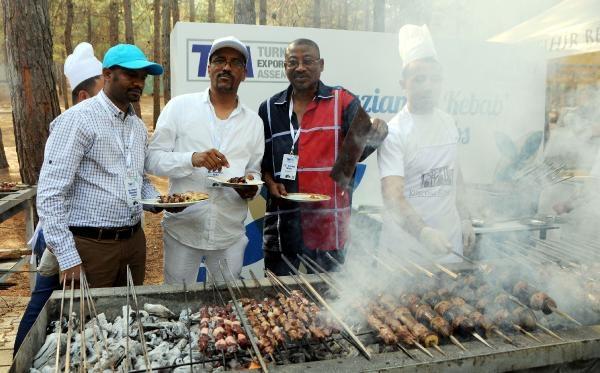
{"points": [[322, 270], [526, 333], [480, 339], [426, 272], [69, 328], [139, 321], [502, 335], [457, 342], [548, 331], [361, 347], [453, 275], [423, 349], [565, 315], [95, 313], [59, 327], [244, 322], [389, 268], [127, 328], [318, 273], [81, 323]]}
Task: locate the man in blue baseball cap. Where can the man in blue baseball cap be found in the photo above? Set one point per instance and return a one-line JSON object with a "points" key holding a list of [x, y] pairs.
{"points": [[93, 177]]}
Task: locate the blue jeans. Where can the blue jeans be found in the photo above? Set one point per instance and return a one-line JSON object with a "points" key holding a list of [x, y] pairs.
{"points": [[44, 286]]}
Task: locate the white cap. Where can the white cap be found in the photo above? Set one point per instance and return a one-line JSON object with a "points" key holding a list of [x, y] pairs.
{"points": [[82, 64], [229, 42], [415, 43]]}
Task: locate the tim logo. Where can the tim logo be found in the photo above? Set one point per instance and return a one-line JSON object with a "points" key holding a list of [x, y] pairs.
{"points": [[203, 50], [437, 177]]}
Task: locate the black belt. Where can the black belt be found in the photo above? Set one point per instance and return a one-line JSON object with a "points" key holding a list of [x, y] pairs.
{"points": [[116, 233]]}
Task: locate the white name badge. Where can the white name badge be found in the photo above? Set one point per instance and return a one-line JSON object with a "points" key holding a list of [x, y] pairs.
{"points": [[133, 188], [289, 167], [212, 184]]}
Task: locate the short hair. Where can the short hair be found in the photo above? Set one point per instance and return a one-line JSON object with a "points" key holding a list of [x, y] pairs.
{"points": [[87, 85], [306, 42]]}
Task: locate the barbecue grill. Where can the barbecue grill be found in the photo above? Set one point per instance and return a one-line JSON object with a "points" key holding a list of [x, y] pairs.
{"points": [[577, 351]]}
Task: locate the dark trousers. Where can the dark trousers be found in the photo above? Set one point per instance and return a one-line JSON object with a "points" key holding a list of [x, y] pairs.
{"points": [[105, 261], [275, 263]]}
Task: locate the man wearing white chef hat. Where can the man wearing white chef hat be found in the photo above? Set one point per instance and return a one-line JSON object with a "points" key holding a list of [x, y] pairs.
{"points": [[83, 70], [418, 160]]}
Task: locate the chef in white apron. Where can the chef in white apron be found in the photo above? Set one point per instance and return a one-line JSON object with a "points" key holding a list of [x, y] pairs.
{"points": [[418, 160]]}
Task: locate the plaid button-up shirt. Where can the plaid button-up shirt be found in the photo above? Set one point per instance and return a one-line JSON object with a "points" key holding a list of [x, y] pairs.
{"points": [[82, 181]]}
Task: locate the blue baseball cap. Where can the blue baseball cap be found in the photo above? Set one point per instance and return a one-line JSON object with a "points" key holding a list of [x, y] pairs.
{"points": [[130, 57]]}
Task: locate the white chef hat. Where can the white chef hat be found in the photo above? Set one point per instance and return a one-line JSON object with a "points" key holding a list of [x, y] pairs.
{"points": [[82, 64], [415, 43]]}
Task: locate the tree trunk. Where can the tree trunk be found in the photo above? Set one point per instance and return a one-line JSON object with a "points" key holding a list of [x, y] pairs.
{"points": [[128, 22], [62, 83], [192, 6], [343, 15], [379, 16], [156, 79], [31, 80], [316, 14], [244, 12], [89, 24], [3, 160], [262, 15], [113, 22], [166, 47], [175, 11], [367, 15], [130, 40], [210, 18], [69, 27]]}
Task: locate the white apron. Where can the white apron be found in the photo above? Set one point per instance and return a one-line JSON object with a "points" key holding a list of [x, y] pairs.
{"points": [[430, 187]]}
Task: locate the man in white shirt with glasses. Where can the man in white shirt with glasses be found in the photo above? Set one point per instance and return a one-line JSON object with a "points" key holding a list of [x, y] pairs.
{"points": [[209, 133]]}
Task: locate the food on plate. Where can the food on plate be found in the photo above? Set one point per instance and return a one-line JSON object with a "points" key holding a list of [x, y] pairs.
{"points": [[182, 197]]}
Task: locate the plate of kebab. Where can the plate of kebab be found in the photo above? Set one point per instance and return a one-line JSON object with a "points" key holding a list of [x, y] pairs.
{"points": [[236, 182], [176, 199], [306, 197], [10, 186]]}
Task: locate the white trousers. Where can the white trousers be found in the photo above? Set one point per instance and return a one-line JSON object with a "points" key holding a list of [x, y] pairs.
{"points": [[182, 262]]}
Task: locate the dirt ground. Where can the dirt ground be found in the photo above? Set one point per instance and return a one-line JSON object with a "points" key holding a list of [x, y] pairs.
{"points": [[12, 231]]}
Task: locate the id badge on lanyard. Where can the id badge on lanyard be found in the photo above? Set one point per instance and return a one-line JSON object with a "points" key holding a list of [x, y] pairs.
{"points": [[218, 139], [132, 181], [289, 164], [133, 187]]}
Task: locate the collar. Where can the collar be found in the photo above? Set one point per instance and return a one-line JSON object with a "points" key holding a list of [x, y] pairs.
{"points": [[323, 92], [112, 108], [205, 98]]}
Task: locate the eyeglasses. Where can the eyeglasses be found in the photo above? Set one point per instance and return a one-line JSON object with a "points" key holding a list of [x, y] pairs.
{"points": [[235, 63], [309, 62]]}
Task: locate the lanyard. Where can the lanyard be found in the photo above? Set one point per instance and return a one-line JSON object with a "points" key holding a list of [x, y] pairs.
{"points": [[295, 134], [119, 140]]}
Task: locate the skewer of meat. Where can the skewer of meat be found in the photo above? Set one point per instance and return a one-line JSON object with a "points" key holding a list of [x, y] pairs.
{"points": [[425, 314], [483, 323]]}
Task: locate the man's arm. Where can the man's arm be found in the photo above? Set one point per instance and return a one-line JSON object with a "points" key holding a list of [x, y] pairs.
{"points": [[392, 189], [64, 151], [405, 215]]}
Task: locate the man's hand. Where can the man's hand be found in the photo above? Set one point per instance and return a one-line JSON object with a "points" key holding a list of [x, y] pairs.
{"points": [[562, 208], [378, 132], [276, 189], [248, 191], [212, 160], [435, 240], [468, 236], [172, 210], [71, 273]]}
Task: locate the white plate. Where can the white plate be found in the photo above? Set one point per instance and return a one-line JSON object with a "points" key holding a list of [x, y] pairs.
{"points": [[306, 197], [223, 181], [157, 203]]}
